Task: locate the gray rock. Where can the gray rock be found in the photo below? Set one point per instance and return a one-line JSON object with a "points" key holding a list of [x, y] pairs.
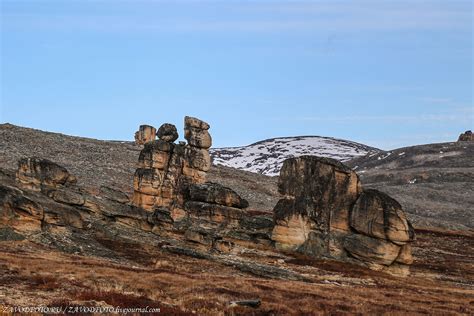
{"points": [[377, 215], [168, 133], [215, 193], [371, 250]]}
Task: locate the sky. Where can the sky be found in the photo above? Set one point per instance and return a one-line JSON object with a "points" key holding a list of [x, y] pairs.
{"points": [[384, 73]]}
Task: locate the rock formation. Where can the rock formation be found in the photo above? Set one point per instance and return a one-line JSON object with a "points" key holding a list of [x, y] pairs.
{"points": [[467, 136], [36, 173], [326, 213], [166, 168], [145, 134], [314, 213], [170, 184]]}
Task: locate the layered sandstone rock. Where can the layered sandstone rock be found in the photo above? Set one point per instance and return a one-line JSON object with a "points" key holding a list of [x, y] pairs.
{"points": [[145, 134], [467, 136], [36, 173], [383, 232], [214, 193], [18, 211], [325, 212], [165, 169], [170, 184], [314, 213], [377, 215]]}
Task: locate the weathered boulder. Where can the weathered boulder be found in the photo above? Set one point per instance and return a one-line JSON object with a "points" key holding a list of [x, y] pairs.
{"points": [[467, 136], [214, 214], [318, 196], [168, 133], [67, 197], [378, 215], [18, 211], [145, 133], [195, 122], [35, 173], [325, 212], [215, 193], [371, 250], [114, 194], [196, 133]]}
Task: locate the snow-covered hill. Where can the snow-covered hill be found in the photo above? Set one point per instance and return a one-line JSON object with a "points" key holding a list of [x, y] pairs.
{"points": [[267, 156]]}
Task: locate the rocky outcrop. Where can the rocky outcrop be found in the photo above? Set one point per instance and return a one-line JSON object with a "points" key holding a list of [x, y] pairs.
{"points": [[170, 184], [214, 193], [377, 215], [36, 173], [314, 213], [467, 136], [325, 212], [165, 169], [145, 134], [18, 211]]}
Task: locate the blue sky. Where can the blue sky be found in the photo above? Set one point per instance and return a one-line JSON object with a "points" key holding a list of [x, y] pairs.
{"points": [[384, 73]]}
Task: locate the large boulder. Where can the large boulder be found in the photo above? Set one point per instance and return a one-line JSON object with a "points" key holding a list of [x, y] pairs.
{"points": [[35, 173], [325, 212], [378, 215], [145, 134], [318, 196], [168, 132], [467, 136], [372, 250], [215, 193], [196, 133]]}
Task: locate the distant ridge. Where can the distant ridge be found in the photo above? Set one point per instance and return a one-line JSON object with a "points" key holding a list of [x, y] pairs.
{"points": [[267, 156]]}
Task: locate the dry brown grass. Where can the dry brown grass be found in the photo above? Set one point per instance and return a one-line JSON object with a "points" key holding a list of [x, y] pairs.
{"points": [[181, 285]]}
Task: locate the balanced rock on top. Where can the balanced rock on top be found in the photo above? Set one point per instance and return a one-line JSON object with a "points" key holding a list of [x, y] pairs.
{"points": [[196, 133], [168, 133]]}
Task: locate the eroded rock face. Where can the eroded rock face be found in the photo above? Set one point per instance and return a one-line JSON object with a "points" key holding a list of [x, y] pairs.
{"points": [[170, 184], [215, 193], [165, 169], [325, 212], [18, 211], [145, 134], [35, 173], [371, 250], [375, 214], [318, 195], [467, 136]]}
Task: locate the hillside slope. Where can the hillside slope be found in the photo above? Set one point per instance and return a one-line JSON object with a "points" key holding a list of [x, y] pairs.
{"points": [[267, 156], [113, 163], [434, 183], [88, 256]]}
